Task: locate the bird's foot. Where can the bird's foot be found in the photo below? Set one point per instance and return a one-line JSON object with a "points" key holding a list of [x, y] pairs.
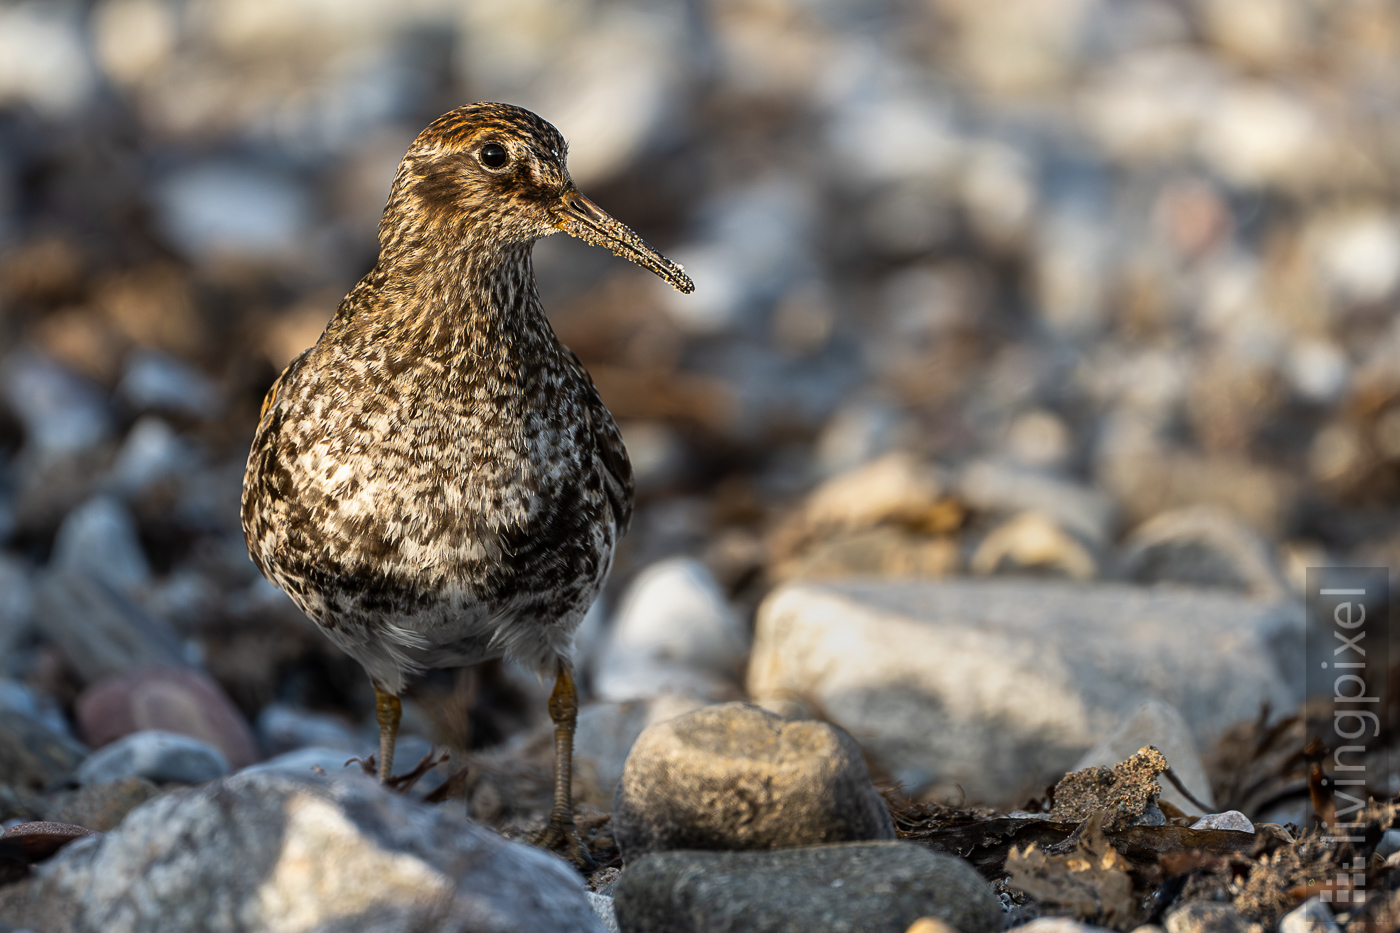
{"points": [[561, 835]]}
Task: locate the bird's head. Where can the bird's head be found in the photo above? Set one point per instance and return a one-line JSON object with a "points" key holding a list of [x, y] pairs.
{"points": [[492, 176]]}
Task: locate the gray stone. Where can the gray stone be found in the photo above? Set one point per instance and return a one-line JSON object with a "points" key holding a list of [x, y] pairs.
{"points": [[1003, 487], [1312, 916], [674, 633], [1000, 686], [283, 728], [100, 807], [151, 453], [154, 755], [1202, 546], [156, 381], [868, 887], [99, 538], [222, 210], [334, 762], [1160, 725], [32, 753], [271, 852], [99, 630], [1389, 844], [738, 777], [1207, 917], [1233, 820], [16, 602]]}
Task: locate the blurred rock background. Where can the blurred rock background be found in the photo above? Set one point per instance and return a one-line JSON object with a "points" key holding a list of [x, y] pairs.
{"points": [[1091, 289]]}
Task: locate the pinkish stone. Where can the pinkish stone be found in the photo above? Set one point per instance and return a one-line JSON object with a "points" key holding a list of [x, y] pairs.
{"points": [[185, 701]]}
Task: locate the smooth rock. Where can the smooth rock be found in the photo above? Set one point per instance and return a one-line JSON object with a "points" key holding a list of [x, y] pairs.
{"points": [[1204, 547], [1158, 724], [1207, 917], [100, 631], [283, 728], [674, 633], [870, 887], [99, 538], [1312, 916], [32, 754], [156, 756], [1001, 487], [1233, 820], [151, 453], [101, 807], [332, 762], [897, 487], [185, 701], [159, 382], [737, 777], [263, 852], [1028, 675], [223, 210]]}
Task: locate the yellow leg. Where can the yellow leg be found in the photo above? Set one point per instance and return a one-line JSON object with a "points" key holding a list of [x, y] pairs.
{"points": [[560, 830], [388, 711]]}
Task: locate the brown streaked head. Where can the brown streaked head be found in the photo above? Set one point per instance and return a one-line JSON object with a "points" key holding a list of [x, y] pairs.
{"points": [[490, 175]]}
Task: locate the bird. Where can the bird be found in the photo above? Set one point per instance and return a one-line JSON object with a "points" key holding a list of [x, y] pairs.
{"points": [[436, 481]]}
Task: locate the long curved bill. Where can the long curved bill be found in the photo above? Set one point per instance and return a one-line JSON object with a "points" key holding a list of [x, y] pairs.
{"points": [[580, 217]]}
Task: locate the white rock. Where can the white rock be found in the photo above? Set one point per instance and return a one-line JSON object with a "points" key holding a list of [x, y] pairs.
{"points": [[1262, 134], [1000, 686], [1158, 724], [603, 909], [43, 58], [215, 210], [1317, 369], [156, 381], [1032, 541], [99, 538], [754, 244], [674, 632], [1233, 820], [1312, 916], [1357, 254], [154, 755], [152, 452], [61, 411], [1059, 925]]}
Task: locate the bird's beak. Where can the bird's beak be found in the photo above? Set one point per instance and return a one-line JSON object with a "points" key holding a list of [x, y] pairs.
{"points": [[580, 217]]}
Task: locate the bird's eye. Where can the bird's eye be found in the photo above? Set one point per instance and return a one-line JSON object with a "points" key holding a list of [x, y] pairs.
{"points": [[493, 156]]}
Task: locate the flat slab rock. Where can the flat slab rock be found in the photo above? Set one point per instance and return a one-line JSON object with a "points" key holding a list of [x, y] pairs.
{"points": [[734, 776], [276, 852], [858, 887], [1000, 686]]}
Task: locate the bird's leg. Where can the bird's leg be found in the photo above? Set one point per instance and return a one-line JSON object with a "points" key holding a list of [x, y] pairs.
{"points": [[388, 711], [560, 830]]}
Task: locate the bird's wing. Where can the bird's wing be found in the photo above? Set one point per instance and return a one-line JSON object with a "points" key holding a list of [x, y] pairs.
{"points": [[609, 449]]}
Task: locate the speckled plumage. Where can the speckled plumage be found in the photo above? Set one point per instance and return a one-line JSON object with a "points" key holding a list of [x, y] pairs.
{"points": [[436, 481]]}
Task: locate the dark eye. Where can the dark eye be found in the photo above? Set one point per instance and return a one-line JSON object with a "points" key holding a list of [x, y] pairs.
{"points": [[493, 156]]}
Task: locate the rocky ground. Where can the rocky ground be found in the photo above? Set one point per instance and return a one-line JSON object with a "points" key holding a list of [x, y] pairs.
{"points": [[1038, 348]]}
